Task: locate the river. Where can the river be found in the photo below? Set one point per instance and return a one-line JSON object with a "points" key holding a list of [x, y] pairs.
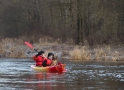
{"points": [[16, 74]]}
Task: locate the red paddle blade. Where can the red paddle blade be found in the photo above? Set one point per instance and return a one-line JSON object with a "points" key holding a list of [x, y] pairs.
{"points": [[29, 45]]}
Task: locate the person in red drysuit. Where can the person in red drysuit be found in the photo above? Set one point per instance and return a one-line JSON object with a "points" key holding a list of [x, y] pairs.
{"points": [[48, 60], [39, 58]]}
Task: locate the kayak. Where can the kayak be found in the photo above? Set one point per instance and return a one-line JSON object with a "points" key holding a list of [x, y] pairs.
{"points": [[57, 68]]}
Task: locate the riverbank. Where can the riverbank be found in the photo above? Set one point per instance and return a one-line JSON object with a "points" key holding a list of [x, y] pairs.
{"points": [[15, 48]]}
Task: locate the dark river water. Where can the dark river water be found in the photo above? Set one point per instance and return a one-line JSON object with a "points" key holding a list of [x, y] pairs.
{"points": [[16, 74]]}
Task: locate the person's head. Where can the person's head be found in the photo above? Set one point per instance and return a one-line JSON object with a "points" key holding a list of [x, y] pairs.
{"points": [[54, 58], [50, 55], [40, 53]]}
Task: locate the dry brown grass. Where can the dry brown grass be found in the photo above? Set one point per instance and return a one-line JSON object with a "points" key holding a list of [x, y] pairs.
{"points": [[48, 41], [98, 53], [80, 53], [12, 48], [15, 48]]}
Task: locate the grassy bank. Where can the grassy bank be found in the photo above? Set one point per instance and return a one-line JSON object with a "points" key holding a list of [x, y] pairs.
{"points": [[107, 53], [15, 48]]}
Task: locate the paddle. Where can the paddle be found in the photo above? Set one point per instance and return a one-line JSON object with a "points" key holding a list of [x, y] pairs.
{"points": [[30, 46], [59, 67]]}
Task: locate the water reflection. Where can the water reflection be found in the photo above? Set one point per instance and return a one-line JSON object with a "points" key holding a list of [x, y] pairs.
{"points": [[47, 81], [17, 75]]}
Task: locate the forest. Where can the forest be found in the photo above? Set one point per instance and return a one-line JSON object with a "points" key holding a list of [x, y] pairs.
{"points": [[94, 21]]}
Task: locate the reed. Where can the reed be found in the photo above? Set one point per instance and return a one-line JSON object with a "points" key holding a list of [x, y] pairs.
{"points": [[12, 48], [98, 53], [80, 53], [15, 48], [48, 41]]}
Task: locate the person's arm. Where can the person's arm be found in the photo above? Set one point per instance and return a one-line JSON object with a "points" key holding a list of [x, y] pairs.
{"points": [[34, 58]]}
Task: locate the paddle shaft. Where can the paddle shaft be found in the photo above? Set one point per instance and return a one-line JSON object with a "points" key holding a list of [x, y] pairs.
{"points": [[35, 50]]}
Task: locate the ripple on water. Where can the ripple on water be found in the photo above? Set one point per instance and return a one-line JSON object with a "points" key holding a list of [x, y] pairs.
{"points": [[80, 76]]}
